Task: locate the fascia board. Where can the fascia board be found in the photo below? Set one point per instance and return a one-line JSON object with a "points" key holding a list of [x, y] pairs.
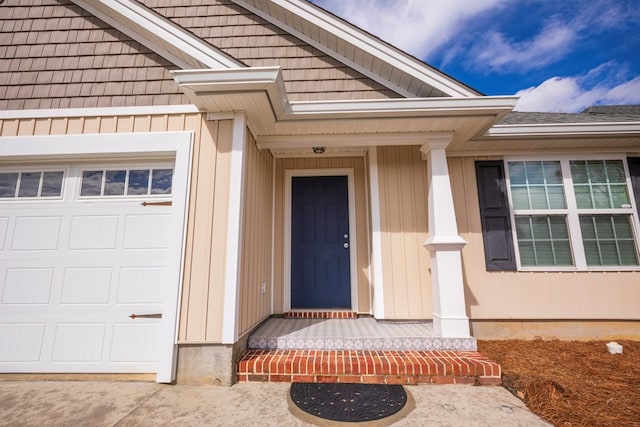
{"points": [[360, 40], [564, 129], [404, 107], [154, 31]]}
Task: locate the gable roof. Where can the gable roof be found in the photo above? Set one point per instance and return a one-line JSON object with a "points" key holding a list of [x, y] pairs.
{"points": [[357, 48], [344, 42]]}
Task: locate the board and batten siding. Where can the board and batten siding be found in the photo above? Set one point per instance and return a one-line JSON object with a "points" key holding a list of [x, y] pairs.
{"points": [[257, 225], [202, 291], [531, 295], [403, 190], [362, 223]]}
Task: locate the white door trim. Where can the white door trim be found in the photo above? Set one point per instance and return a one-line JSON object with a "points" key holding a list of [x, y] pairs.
{"points": [[109, 146], [353, 250]]}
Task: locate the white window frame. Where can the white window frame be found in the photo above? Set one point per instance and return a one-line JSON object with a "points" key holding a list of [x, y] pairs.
{"points": [[143, 165], [572, 212], [42, 169]]}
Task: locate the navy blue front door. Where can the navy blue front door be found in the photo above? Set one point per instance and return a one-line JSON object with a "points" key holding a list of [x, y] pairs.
{"points": [[320, 273]]}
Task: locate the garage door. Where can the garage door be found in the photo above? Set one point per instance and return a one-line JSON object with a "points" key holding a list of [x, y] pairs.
{"points": [[84, 256]]}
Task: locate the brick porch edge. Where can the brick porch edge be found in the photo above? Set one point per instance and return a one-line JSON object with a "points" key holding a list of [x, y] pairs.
{"points": [[365, 366]]}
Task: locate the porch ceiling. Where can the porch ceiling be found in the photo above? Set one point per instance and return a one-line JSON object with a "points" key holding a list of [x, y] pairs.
{"points": [[281, 125]]}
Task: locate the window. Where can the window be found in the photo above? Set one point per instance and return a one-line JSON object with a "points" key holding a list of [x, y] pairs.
{"points": [[573, 213], [31, 184], [126, 182]]}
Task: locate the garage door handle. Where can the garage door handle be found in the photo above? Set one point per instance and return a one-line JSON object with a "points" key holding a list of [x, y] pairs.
{"points": [[146, 316], [156, 203]]}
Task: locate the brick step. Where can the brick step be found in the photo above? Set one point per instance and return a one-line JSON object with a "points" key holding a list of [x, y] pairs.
{"points": [[366, 366], [320, 315]]}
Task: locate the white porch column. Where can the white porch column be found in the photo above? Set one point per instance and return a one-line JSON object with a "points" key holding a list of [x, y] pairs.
{"points": [[444, 243]]}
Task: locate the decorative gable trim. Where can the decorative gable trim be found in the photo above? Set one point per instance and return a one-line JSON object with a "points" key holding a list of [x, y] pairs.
{"points": [[358, 49], [158, 34]]}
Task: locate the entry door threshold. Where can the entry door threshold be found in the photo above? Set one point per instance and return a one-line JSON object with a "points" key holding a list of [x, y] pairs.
{"points": [[321, 314]]}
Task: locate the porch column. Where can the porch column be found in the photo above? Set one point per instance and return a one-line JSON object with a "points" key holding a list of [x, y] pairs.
{"points": [[444, 243]]}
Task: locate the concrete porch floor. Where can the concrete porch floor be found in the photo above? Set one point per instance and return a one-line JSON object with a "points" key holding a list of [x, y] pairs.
{"points": [[361, 350], [363, 333]]}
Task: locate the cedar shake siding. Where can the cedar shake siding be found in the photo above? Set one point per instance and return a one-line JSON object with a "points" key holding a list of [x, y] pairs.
{"points": [[53, 54], [309, 74]]}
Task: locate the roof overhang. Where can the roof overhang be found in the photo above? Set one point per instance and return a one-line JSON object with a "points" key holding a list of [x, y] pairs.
{"points": [[554, 137], [280, 125]]}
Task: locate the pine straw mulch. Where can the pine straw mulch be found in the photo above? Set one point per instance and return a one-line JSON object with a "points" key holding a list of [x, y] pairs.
{"points": [[572, 383]]}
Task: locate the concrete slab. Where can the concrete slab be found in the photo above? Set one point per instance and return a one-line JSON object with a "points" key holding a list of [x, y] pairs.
{"points": [[97, 403]]}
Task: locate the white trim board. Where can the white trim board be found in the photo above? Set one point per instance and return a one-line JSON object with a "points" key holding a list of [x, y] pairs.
{"points": [[178, 144], [376, 236], [98, 111], [234, 232], [353, 250]]}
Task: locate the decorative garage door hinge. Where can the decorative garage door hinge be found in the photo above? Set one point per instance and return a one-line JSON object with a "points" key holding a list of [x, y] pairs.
{"points": [[147, 316], [169, 203]]}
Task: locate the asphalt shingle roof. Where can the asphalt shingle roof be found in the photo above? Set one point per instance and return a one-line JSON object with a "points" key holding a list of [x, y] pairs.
{"points": [[596, 114]]}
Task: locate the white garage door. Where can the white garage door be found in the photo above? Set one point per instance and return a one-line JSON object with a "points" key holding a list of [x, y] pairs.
{"points": [[84, 253]]}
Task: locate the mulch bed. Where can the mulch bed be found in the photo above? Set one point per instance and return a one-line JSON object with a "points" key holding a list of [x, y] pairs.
{"points": [[572, 383]]}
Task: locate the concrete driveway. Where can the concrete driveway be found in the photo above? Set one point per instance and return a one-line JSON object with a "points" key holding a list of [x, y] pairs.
{"points": [[111, 403]]}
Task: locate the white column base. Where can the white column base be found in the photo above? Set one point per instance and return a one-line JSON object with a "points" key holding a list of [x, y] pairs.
{"points": [[449, 312], [451, 327]]}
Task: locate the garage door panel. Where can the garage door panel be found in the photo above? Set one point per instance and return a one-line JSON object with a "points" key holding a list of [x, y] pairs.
{"points": [[21, 342], [93, 232], [90, 285], [145, 334], [4, 225], [36, 233], [141, 231], [91, 337], [27, 286], [141, 285]]}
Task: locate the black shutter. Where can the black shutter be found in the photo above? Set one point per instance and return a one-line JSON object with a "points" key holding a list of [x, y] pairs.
{"points": [[634, 171], [495, 216]]}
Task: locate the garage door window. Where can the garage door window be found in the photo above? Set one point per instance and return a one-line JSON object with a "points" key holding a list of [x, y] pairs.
{"points": [[126, 182], [31, 184]]}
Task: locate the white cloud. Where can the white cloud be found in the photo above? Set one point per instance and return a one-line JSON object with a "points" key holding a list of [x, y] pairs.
{"points": [[419, 27], [572, 94], [497, 53]]}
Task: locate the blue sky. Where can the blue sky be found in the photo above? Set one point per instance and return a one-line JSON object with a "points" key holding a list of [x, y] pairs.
{"points": [[557, 55]]}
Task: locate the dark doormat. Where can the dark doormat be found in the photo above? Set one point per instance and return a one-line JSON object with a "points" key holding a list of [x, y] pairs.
{"points": [[348, 402]]}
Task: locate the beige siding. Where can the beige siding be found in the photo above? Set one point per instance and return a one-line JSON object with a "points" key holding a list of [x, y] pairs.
{"points": [[308, 73], [202, 292], [532, 295], [402, 177], [358, 166], [257, 223]]}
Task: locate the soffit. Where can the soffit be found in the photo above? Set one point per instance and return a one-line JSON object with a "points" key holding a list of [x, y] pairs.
{"points": [[354, 47]]}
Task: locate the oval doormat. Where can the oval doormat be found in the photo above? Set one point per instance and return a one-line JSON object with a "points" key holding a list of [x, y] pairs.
{"points": [[348, 402]]}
